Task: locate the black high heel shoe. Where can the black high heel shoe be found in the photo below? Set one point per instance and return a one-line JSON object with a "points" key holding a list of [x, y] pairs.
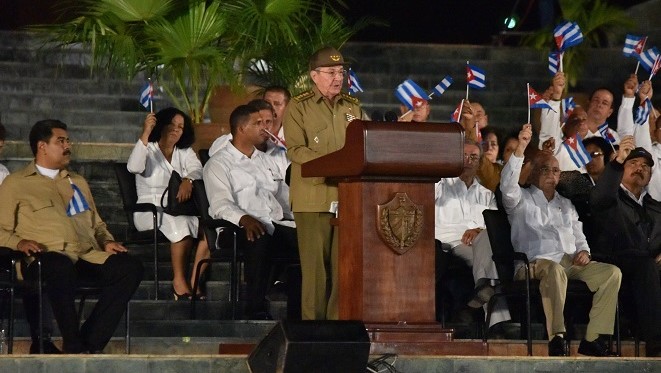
{"points": [[184, 296]]}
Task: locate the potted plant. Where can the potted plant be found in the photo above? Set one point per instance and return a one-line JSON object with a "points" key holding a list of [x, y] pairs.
{"points": [[190, 47]]}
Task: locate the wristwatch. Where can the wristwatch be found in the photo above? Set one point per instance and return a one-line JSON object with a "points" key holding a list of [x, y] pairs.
{"points": [[187, 179]]}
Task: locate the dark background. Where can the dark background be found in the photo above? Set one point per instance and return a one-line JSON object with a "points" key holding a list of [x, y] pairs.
{"points": [[413, 21]]}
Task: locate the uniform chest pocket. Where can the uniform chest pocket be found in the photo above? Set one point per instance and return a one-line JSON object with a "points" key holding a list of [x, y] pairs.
{"points": [[41, 206]]}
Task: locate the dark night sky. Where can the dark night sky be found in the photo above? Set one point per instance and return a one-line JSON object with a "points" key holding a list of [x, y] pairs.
{"points": [[445, 21]]}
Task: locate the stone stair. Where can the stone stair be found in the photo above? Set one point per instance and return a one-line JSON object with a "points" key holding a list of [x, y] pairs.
{"points": [[38, 82]]}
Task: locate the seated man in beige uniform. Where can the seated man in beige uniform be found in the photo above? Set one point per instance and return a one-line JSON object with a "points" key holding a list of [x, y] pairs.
{"points": [[48, 210]]}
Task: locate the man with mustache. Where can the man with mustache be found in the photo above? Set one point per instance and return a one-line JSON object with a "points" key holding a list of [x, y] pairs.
{"points": [[630, 221], [48, 210]]}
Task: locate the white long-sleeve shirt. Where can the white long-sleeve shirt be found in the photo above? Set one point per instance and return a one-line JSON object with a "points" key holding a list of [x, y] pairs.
{"points": [[641, 134], [459, 208], [238, 185], [541, 229], [153, 171]]}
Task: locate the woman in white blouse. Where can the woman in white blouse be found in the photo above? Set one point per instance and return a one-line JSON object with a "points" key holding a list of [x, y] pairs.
{"points": [[164, 146]]}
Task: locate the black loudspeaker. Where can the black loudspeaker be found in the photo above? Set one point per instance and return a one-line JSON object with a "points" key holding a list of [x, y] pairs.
{"points": [[312, 346]]}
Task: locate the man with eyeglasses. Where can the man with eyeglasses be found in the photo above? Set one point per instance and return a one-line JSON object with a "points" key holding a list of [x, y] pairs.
{"points": [[628, 217], [315, 124], [546, 228], [460, 228]]}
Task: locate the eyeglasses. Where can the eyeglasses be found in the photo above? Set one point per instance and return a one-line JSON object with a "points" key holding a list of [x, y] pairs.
{"points": [[548, 170], [596, 154], [334, 73], [471, 157]]}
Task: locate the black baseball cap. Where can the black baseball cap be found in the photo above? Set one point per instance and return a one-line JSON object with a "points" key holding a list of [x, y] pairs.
{"points": [[641, 153]]}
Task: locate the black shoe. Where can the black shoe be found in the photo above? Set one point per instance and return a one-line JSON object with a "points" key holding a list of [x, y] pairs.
{"points": [[481, 295], [49, 348], [558, 346], [594, 348]]}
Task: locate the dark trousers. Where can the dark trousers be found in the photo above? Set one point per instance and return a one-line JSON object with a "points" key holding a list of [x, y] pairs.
{"points": [[640, 277], [259, 257], [118, 277], [454, 283]]}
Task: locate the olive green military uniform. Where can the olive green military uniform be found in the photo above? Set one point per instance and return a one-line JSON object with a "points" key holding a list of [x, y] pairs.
{"points": [[315, 127]]}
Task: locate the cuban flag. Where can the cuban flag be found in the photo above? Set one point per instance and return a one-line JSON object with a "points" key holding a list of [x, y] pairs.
{"points": [[554, 62], [78, 202], [146, 95], [568, 106], [648, 58], [354, 85], [656, 67], [605, 132], [475, 77], [407, 90], [443, 85], [633, 45], [643, 112], [456, 114], [535, 100], [577, 152], [567, 34]]}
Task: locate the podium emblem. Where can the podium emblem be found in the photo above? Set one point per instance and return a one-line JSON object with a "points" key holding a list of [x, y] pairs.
{"points": [[399, 223]]}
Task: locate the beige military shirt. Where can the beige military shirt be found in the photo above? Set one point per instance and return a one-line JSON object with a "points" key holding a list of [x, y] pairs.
{"points": [[313, 127], [33, 207]]}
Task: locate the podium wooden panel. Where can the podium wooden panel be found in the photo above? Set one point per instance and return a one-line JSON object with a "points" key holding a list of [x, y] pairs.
{"points": [[379, 160]]}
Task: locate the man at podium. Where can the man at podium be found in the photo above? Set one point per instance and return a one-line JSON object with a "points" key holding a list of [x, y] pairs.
{"points": [[315, 124]]}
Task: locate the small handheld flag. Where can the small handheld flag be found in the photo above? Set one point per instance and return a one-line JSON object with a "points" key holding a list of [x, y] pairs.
{"points": [[648, 58], [535, 100], [475, 77], [554, 62], [605, 132], [577, 152], [456, 114], [568, 106], [643, 112], [147, 96], [443, 85], [567, 34], [354, 85], [78, 202], [407, 90], [655, 67], [633, 45]]}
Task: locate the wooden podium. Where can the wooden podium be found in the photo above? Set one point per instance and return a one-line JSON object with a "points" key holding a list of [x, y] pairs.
{"points": [[386, 174]]}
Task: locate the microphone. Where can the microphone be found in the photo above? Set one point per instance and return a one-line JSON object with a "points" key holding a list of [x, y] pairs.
{"points": [[391, 116], [377, 116]]}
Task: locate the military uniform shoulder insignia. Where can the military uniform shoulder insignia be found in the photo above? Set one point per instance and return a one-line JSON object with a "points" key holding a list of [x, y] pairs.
{"points": [[303, 96], [350, 98]]}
